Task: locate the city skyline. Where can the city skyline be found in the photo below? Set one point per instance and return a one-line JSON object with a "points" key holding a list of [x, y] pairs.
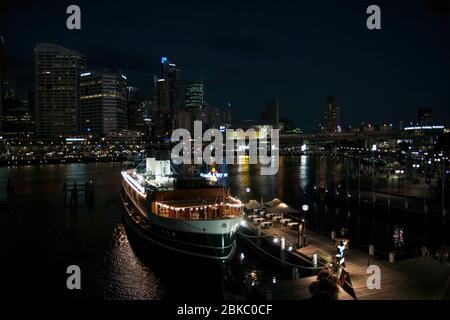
{"points": [[170, 96], [375, 75], [241, 152]]}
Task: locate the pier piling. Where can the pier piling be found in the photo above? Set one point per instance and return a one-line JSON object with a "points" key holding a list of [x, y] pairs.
{"points": [[73, 192]]}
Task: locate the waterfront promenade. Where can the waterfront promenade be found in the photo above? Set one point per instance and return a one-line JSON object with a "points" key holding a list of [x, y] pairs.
{"points": [[418, 278]]}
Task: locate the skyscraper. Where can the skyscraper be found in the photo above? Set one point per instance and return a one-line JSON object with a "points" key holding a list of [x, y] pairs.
{"points": [[168, 86], [135, 109], [57, 75], [331, 113], [210, 116], [193, 97], [103, 103], [167, 99]]}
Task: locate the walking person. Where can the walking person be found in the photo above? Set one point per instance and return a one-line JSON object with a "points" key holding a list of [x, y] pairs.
{"points": [[341, 253]]}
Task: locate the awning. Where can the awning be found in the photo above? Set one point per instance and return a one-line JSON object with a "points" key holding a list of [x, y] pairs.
{"points": [[282, 208], [253, 204], [273, 203]]}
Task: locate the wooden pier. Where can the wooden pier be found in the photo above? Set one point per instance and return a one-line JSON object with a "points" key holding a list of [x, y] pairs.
{"points": [[71, 193], [413, 279]]}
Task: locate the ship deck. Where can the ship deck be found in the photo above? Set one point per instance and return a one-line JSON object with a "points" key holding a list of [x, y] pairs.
{"points": [[204, 209]]}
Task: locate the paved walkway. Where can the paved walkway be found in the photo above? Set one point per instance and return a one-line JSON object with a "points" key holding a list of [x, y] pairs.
{"points": [[419, 278]]}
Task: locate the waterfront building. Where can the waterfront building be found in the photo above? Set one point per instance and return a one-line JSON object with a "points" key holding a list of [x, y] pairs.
{"points": [[331, 115], [194, 98], [57, 76], [103, 106], [18, 122]]}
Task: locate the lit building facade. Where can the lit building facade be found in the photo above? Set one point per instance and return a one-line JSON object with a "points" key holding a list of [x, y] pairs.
{"points": [[168, 86], [103, 103], [167, 99], [332, 115], [57, 75], [193, 97]]}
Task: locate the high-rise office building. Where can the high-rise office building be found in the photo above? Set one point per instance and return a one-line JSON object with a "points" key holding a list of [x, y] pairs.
{"points": [[272, 112], [57, 76], [135, 109], [331, 114], [210, 116], [103, 103], [168, 86], [193, 97], [226, 115], [17, 118], [161, 94], [167, 99], [184, 120]]}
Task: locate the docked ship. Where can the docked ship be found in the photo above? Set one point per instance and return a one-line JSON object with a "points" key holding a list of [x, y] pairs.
{"points": [[191, 214]]}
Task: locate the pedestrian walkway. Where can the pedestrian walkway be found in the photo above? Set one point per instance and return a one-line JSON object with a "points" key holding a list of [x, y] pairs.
{"points": [[403, 280]]}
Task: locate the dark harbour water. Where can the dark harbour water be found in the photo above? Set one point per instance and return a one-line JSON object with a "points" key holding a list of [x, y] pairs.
{"points": [[43, 237]]}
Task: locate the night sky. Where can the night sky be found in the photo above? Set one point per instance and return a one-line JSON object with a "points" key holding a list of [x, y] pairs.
{"points": [[293, 51]]}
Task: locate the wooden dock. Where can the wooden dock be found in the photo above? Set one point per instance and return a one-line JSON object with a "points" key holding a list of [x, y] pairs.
{"points": [[413, 279]]}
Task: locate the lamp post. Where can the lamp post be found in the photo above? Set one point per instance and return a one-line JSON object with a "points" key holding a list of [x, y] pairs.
{"points": [[335, 175], [444, 211], [404, 186], [373, 180], [359, 179], [302, 227], [425, 209], [247, 191], [346, 176]]}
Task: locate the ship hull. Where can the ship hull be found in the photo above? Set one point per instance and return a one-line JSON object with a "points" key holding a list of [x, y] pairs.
{"points": [[188, 238]]}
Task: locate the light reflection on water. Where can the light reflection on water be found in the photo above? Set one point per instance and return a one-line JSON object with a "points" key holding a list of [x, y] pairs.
{"points": [[49, 237], [126, 276]]}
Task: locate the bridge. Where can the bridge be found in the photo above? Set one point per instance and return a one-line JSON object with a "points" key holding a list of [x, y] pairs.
{"points": [[364, 138]]}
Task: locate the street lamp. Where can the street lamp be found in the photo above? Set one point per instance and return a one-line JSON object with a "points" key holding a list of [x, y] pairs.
{"points": [[302, 228], [248, 190]]}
